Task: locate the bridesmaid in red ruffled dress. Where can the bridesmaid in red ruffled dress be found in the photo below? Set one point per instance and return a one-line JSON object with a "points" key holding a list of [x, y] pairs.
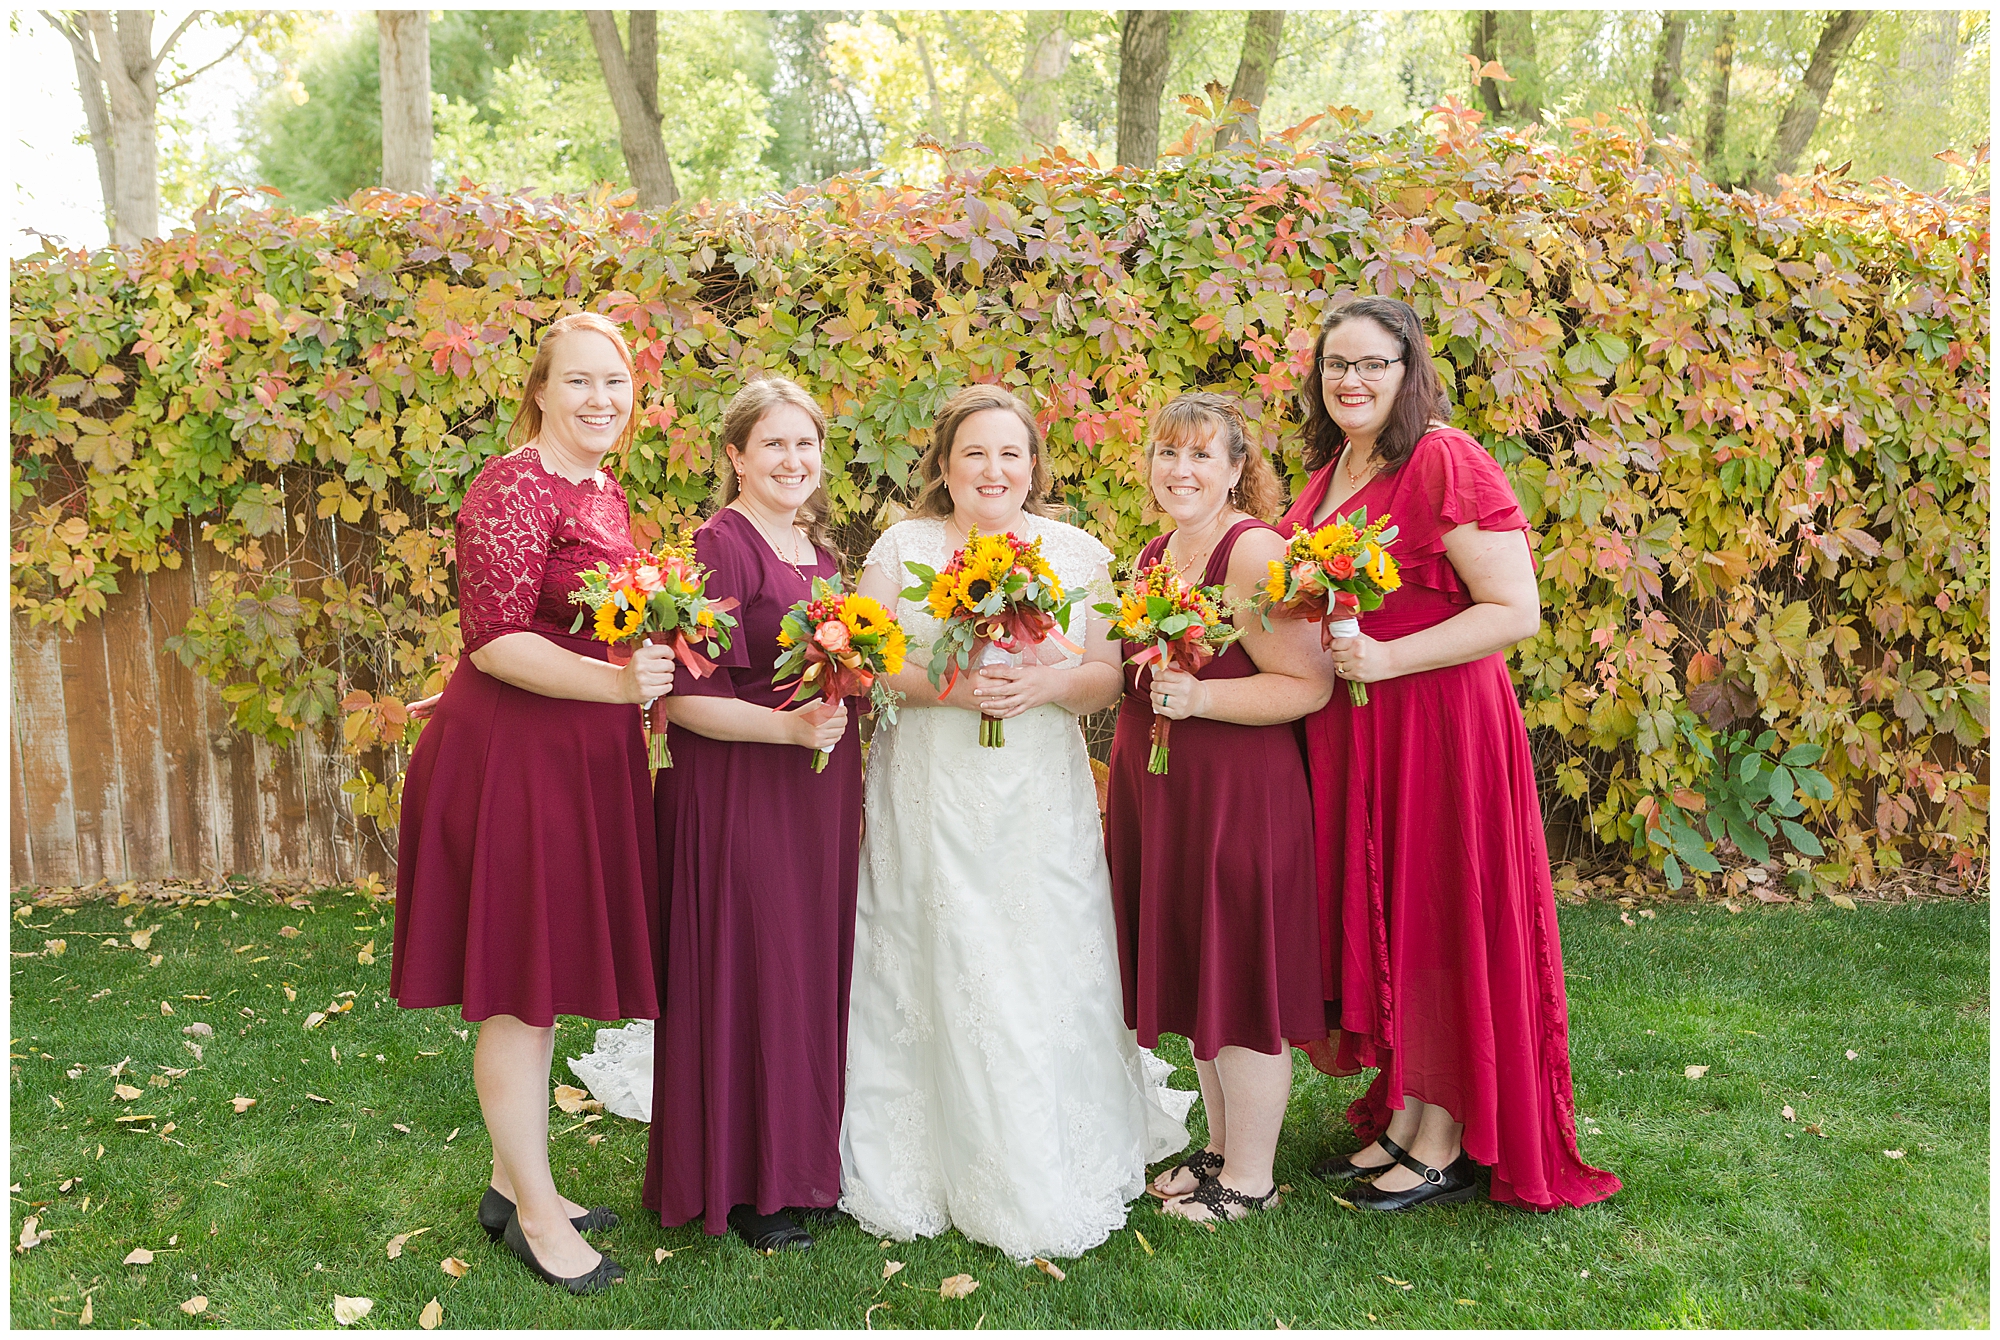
{"points": [[760, 865], [1437, 907], [525, 884]]}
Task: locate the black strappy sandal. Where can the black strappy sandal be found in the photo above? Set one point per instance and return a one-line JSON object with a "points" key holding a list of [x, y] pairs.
{"points": [[1214, 1197], [495, 1208], [1441, 1186], [1343, 1168], [1205, 1164]]}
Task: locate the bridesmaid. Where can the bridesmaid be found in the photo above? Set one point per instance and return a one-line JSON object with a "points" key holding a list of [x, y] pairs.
{"points": [[525, 884], [1211, 864], [1434, 878], [759, 857]]}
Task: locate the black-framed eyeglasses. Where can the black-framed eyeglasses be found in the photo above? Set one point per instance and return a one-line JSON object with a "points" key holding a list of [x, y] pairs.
{"points": [[1371, 369]]}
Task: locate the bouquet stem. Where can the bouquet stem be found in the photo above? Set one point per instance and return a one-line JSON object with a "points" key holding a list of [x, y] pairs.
{"points": [[657, 756], [1156, 761], [820, 756], [992, 732]]}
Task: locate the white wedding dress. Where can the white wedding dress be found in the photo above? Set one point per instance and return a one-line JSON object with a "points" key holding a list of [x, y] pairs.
{"points": [[992, 1085]]}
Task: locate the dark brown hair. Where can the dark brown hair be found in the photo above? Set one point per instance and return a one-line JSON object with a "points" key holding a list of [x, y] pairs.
{"points": [[933, 494], [1420, 399], [747, 409], [1187, 417], [527, 425]]}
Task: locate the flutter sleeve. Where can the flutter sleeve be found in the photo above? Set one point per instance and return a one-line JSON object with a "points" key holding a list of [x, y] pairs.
{"points": [[1448, 481], [504, 528], [732, 571]]}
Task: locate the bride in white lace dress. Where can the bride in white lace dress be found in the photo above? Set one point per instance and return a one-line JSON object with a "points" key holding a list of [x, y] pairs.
{"points": [[991, 1083]]}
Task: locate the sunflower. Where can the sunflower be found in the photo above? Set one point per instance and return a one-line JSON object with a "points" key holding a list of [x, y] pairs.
{"points": [[1382, 568], [1330, 540], [864, 616], [1275, 584], [1131, 613], [610, 628], [895, 646], [943, 598]]}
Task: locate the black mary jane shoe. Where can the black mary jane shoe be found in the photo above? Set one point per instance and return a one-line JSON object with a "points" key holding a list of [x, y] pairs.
{"points": [[1343, 1168], [603, 1275], [494, 1210], [769, 1232], [1446, 1186], [1205, 1164]]}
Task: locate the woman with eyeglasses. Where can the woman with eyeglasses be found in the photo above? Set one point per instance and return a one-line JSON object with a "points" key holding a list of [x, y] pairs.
{"points": [[1437, 912]]}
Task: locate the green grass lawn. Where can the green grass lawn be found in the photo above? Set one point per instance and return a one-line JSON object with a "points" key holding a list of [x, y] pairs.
{"points": [[366, 1127]]}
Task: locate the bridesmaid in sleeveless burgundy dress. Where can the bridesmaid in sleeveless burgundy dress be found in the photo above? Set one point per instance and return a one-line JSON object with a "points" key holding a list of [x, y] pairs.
{"points": [[760, 858], [525, 876], [1212, 862], [1440, 919]]}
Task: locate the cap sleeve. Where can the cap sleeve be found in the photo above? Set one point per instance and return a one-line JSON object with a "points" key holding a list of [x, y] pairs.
{"points": [[1449, 481], [887, 554], [732, 571], [505, 528]]}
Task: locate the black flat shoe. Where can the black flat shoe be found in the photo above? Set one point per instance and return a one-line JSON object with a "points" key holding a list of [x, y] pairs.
{"points": [[822, 1216], [603, 1275], [1440, 1186], [1343, 1168], [769, 1232], [495, 1208]]}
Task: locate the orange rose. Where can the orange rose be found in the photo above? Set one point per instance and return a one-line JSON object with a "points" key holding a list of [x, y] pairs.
{"points": [[832, 635], [1340, 566]]}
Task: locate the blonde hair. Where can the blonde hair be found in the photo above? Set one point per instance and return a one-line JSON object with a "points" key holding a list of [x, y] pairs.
{"points": [[1187, 417], [934, 470], [747, 409], [527, 425]]}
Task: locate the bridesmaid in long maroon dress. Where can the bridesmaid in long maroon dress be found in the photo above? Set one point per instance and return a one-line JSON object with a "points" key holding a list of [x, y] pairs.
{"points": [[760, 858], [525, 869], [1440, 917], [1211, 862]]}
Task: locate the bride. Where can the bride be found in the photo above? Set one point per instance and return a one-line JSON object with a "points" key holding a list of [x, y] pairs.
{"points": [[991, 1083]]}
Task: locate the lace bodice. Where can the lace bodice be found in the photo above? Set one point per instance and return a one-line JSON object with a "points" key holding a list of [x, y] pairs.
{"points": [[1081, 564], [524, 538]]}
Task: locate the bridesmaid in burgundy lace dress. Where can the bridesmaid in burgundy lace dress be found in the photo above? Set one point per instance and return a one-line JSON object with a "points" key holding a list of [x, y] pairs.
{"points": [[760, 860], [1212, 863], [525, 869], [1436, 901]]}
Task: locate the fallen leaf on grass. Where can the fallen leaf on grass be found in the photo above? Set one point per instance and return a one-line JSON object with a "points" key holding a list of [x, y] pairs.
{"points": [[396, 1243], [317, 1099], [75, 1072], [453, 1136], [154, 961], [31, 1234], [347, 1311], [1283, 1325], [432, 1314], [172, 1073], [143, 939], [139, 1256], [1144, 1245], [957, 1286], [101, 994], [1695, 1071], [1626, 917], [198, 1031], [1342, 1200], [1050, 1268], [194, 1047], [1842, 901], [400, 1126], [1466, 1302], [158, 1081], [67, 1183], [1400, 1284], [1733, 907], [242, 1104], [135, 1117], [315, 1019], [1648, 913], [55, 948], [889, 1268], [166, 1008], [83, 1318], [1892, 1153], [661, 1253], [1815, 1128], [126, 1092], [1853, 1055], [289, 932], [454, 1267], [196, 1305], [367, 954], [574, 1100]]}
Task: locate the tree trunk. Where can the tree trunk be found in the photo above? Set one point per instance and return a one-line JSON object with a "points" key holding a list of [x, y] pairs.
{"points": [[96, 115], [1145, 51], [1047, 61], [1666, 102], [1261, 30], [1801, 118], [125, 59], [1486, 45], [633, 81], [1718, 99], [403, 49], [1516, 30]]}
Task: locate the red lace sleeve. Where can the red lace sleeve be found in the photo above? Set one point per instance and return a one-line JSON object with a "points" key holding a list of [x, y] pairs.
{"points": [[505, 529]]}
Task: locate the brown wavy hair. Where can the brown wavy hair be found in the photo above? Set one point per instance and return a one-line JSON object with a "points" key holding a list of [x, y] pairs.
{"points": [[747, 409], [1186, 417], [1421, 398], [527, 425], [933, 495]]}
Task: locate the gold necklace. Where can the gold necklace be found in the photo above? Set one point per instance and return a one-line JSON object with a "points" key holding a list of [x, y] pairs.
{"points": [[1347, 467], [1195, 572], [789, 562]]}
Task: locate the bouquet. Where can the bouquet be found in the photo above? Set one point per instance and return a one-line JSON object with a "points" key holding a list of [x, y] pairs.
{"points": [[1186, 627], [999, 600], [657, 597], [1334, 574], [838, 645]]}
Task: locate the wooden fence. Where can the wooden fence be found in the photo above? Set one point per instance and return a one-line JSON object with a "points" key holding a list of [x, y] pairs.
{"points": [[125, 766]]}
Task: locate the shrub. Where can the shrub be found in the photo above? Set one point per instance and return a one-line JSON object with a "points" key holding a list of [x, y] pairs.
{"points": [[1750, 433]]}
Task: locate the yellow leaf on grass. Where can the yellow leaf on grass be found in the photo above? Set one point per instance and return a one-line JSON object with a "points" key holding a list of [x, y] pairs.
{"points": [[196, 1305], [126, 1092], [84, 1317], [432, 1314], [347, 1311], [289, 932], [889, 1268], [454, 1267], [242, 1104], [570, 1098], [317, 1099], [396, 1243], [1051, 1269], [143, 939], [367, 954], [1695, 1071], [660, 1254], [55, 948], [957, 1286], [1841, 901], [139, 1256], [1144, 1245], [315, 1019]]}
